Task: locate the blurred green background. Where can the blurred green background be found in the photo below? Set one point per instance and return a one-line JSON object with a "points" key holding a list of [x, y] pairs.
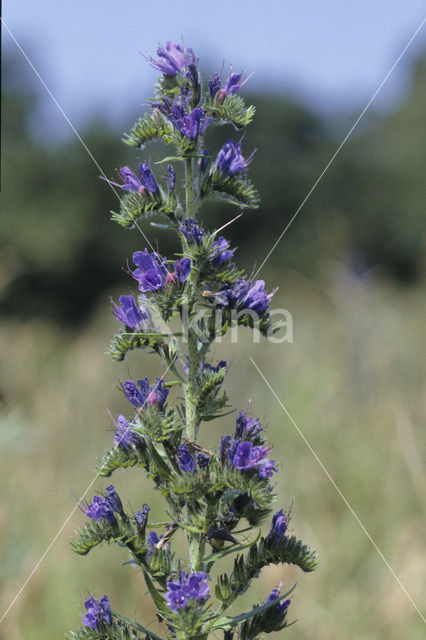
{"points": [[350, 270]]}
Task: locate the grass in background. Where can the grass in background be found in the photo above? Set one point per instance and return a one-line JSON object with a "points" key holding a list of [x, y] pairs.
{"points": [[352, 382]]}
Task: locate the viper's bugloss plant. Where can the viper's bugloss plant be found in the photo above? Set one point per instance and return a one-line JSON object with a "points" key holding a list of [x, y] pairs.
{"points": [[210, 495]]}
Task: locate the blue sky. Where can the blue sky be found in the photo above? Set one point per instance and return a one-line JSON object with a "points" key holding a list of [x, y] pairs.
{"points": [[333, 54]]}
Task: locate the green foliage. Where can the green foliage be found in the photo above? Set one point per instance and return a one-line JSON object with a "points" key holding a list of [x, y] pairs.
{"points": [[135, 205], [286, 551], [206, 496], [119, 630], [232, 110], [120, 458], [126, 341], [234, 190], [211, 400], [94, 533], [147, 129], [263, 618]]}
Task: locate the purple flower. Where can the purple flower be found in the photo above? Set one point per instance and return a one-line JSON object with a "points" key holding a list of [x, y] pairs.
{"points": [[182, 269], [227, 445], [131, 182], [247, 456], [204, 366], [229, 159], [192, 232], [114, 501], [189, 125], [171, 178], [152, 541], [173, 59], [176, 596], [203, 163], [203, 460], [256, 297], [151, 271], [130, 313], [220, 251], [266, 468], [141, 392], [197, 586], [186, 461], [280, 607], [245, 295], [278, 526], [158, 394], [187, 587], [232, 84], [141, 518], [124, 436], [136, 393], [214, 84], [147, 177], [100, 509], [98, 611], [230, 87], [247, 428]]}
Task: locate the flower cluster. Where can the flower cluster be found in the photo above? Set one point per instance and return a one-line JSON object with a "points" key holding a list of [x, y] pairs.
{"points": [[281, 607], [125, 436], [100, 508], [242, 453], [210, 495], [141, 393], [105, 506], [143, 184], [230, 87], [131, 314], [185, 588], [230, 161], [279, 526], [174, 59], [245, 295], [98, 613], [191, 124], [153, 274]]}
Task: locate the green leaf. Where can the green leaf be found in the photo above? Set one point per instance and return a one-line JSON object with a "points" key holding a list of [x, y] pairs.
{"points": [[136, 625], [230, 622], [233, 549], [158, 599]]}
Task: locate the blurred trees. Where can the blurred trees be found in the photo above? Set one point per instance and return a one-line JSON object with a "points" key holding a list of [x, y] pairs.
{"points": [[59, 251]]}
